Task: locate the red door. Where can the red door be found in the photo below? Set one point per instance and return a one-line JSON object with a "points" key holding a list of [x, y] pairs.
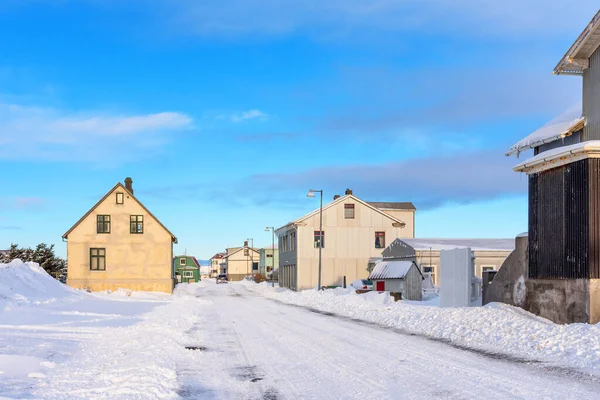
{"points": [[380, 286]]}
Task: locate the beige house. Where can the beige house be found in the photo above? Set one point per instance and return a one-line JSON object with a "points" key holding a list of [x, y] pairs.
{"points": [[118, 243], [354, 231], [215, 264], [239, 262], [489, 253]]}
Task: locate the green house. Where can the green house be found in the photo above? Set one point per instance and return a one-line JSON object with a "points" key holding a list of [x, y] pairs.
{"points": [[187, 269]]}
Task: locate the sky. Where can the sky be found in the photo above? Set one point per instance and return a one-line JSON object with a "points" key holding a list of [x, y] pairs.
{"points": [[225, 113]]}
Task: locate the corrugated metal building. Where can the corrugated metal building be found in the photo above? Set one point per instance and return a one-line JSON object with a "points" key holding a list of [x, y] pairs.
{"points": [[398, 276]]}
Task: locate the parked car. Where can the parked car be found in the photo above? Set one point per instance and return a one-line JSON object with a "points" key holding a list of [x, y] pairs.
{"points": [[222, 278], [362, 284]]}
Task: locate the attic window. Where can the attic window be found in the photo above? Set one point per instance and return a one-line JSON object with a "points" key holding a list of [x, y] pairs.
{"points": [[349, 211], [120, 198], [182, 261]]}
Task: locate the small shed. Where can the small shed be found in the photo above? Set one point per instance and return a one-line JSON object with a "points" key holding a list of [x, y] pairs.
{"points": [[187, 269], [398, 276]]}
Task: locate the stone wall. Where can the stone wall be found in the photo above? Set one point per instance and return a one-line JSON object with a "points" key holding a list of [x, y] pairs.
{"points": [[508, 284]]}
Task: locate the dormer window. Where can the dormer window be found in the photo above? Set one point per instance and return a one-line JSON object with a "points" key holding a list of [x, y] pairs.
{"points": [[120, 198]]}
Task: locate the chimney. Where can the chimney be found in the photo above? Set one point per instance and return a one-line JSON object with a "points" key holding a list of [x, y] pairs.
{"points": [[337, 196], [129, 184], [348, 191]]}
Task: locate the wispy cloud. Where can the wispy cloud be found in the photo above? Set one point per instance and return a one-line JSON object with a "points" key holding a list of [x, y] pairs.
{"points": [[341, 17], [21, 203], [36, 132], [243, 116]]}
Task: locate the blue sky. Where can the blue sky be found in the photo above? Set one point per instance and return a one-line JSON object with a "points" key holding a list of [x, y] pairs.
{"points": [[225, 113]]}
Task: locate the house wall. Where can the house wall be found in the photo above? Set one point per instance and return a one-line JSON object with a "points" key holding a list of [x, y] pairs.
{"points": [[406, 216], [268, 262], [141, 262], [349, 243], [238, 265], [591, 98]]}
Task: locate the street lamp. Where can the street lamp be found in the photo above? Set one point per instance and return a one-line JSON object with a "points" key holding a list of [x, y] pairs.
{"points": [[251, 254], [311, 193], [272, 229]]}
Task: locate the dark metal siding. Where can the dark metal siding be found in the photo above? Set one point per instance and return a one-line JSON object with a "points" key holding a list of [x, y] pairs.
{"points": [[594, 212], [569, 140], [558, 222], [591, 98]]}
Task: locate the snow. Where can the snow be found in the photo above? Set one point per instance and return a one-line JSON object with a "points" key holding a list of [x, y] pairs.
{"points": [[583, 147], [390, 270], [474, 244], [252, 341], [556, 129], [496, 327]]}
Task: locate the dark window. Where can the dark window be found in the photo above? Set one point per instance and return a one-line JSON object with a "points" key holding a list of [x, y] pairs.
{"points": [[349, 211], [120, 198], [380, 240], [136, 224], [97, 259], [103, 223], [320, 239], [182, 261], [269, 255]]}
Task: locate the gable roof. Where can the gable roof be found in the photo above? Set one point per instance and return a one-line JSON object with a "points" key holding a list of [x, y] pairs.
{"points": [[399, 205], [576, 60], [392, 270], [119, 185], [562, 126], [449, 244], [341, 200], [240, 249]]}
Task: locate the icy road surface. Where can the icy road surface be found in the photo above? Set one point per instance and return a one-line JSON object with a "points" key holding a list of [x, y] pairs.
{"points": [[257, 348]]}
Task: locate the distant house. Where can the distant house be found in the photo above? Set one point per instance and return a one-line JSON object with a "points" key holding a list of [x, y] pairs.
{"points": [[354, 231], [187, 269], [215, 264], [119, 243], [239, 262], [398, 276], [269, 258], [489, 253]]}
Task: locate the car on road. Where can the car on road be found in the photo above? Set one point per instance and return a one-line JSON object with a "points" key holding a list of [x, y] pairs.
{"points": [[362, 284], [223, 278]]}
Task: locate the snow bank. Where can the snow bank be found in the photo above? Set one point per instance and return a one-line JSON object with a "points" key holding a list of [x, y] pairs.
{"points": [[139, 361], [495, 327], [27, 283]]}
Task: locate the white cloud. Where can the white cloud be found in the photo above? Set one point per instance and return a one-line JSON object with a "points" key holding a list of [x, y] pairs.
{"points": [[243, 116], [47, 133]]}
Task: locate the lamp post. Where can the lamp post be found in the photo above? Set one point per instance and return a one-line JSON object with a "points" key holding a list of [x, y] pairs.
{"points": [[272, 229], [311, 193], [251, 255]]}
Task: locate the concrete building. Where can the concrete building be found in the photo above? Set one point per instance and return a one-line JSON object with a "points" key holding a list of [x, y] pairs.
{"points": [[489, 253], [239, 262], [119, 243], [354, 231], [269, 258], [561, 278]]}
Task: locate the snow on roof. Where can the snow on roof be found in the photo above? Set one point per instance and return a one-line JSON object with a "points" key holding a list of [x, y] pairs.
{"points": [[474, 244], [391, 270], [576, 60], [554, 157], [560, 127]]}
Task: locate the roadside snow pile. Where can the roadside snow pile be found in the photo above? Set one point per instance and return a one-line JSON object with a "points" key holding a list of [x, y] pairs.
{"points": [[27, 283], [134, 362], [495, 327]]}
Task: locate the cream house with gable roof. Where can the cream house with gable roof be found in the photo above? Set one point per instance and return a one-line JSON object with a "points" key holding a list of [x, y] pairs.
{"points": [[119, 243], [354, 232], [239, 262]]}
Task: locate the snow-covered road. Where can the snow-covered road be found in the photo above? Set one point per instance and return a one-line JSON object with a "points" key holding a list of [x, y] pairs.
{"points": [[259, 348]]}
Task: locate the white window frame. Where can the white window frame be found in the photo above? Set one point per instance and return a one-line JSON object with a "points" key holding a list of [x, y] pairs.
{"points": [[188, 274], [182, 261]]}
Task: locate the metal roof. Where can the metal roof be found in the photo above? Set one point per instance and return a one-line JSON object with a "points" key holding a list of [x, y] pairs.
{"points": [[401, 205], [577, 58], [449, 244], [392, 269]]}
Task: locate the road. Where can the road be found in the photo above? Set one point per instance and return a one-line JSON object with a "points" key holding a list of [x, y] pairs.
{"points": [[256, 348]]}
